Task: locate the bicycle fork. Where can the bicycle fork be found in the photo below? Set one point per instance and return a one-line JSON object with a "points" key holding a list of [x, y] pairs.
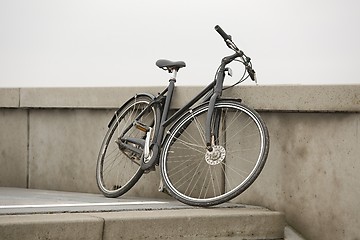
{"points": [[209, 137]]}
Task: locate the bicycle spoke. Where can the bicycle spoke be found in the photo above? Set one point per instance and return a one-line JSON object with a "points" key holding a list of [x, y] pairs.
{"points": [[200, 129]]}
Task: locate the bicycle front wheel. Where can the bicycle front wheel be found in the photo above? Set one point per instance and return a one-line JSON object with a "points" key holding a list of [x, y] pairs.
{"points": [[119, 168], [240, 145]]}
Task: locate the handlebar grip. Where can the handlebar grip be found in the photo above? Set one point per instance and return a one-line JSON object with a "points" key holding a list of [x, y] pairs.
{"points": [[222, 33]]}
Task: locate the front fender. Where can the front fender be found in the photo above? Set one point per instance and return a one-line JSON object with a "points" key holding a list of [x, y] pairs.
{"points": [[172, 126]]}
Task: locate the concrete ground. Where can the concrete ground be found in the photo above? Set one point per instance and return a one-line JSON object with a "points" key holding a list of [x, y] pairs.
{"points": [[33, 201]]}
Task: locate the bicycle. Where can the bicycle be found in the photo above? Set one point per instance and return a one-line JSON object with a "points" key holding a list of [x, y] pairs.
{"points": [[209, 151]]}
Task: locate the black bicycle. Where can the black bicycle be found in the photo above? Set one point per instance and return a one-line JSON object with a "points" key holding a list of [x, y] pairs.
{"points": [[209, 151]]}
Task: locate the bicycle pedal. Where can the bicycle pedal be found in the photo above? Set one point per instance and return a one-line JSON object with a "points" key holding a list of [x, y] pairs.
{"points": [[141, 126]]}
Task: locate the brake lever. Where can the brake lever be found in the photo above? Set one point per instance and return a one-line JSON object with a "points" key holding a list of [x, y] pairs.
{"points": [[231, 45], [252, 73]]}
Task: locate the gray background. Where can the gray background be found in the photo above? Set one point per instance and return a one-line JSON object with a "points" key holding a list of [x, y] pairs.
{"points": [[116, 43]]}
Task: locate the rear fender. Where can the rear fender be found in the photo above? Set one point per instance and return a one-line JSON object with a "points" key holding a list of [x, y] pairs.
{"points": [[122, 107]]}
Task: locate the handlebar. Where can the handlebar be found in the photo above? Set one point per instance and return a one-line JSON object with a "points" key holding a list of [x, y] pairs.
{"points": [[239, 53], [222, 33]]}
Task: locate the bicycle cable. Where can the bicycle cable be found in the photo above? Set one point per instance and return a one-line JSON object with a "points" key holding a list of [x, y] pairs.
{"points": [[243, 77]]}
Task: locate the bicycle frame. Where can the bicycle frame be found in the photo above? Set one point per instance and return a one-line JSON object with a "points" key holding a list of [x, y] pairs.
{"points": [[165, 98], [165, 121]]}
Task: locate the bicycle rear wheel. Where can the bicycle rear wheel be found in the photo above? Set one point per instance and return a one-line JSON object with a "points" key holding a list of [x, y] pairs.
{"points": [[118, 168], [194, 175]]}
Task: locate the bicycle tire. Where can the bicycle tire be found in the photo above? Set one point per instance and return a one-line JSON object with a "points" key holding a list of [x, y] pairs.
{"points": [[117, 170], [197, 177]]}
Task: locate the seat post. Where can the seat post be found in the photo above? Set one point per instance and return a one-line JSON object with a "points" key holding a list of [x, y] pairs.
{"points": [[173, 74]]}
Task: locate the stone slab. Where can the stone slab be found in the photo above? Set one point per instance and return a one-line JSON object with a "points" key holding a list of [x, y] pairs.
{"points": [[51, 226], [13, 148], [9, 97], [212, 223], [328, 98]]}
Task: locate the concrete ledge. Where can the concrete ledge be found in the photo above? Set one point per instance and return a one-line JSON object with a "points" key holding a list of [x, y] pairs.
{"points": [[51, 226], [253, 223], [326, 98], [232, 223], [78, 97], [9, 97]]}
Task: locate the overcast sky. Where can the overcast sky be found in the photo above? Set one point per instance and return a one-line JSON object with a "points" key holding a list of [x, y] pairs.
{"points": [[67, 43]]}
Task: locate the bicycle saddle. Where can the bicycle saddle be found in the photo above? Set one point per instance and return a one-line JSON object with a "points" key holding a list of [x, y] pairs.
{"points": [[168, 65]]}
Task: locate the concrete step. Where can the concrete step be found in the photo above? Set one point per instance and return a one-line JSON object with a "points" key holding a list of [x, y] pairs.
{"points": [[53, 218], [241, 223]]}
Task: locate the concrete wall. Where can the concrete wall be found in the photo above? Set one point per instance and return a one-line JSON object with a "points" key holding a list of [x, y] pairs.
{"points": [[49, 139]]}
